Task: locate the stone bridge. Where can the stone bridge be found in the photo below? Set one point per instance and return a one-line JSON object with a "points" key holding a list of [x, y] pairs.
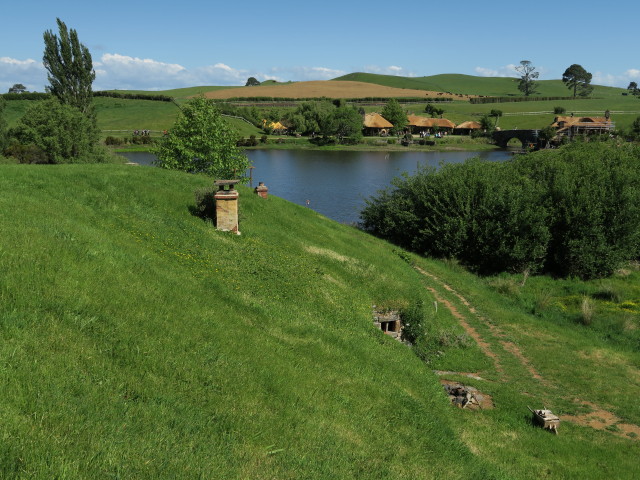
{"points": [[527, 137]]}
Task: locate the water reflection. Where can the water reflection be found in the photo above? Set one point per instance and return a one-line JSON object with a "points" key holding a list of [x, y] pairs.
{"points": [[334, 183]]}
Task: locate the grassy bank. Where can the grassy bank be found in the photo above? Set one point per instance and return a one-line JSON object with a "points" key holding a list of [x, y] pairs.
{"points": [[138, 342]]}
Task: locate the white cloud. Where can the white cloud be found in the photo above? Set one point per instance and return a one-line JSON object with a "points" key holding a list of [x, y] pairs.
{"points": [[622, 80], [390, 70], [314, 73], [28, 72], [123, 72], [506, 71]]}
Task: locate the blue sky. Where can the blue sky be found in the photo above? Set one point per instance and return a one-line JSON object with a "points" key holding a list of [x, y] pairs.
{"points": [[161, 45]]}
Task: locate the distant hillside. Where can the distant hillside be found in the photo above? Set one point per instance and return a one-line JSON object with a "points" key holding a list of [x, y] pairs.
{"points": [[472, 85], [324, 88]]}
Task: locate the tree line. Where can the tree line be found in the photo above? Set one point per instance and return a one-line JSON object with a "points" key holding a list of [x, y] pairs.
{"points": [[574, 211], [62, 128]]}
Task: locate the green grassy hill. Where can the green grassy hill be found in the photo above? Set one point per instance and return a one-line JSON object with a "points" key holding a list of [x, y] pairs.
{"points": [[120, 117], [138, 342], [474, 85]]}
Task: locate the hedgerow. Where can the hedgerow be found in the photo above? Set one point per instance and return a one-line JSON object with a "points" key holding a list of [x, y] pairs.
{"points": [[574, 211]]}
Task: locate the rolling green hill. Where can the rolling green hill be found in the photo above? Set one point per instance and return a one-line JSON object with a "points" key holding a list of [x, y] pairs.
{"points": [[121, 116], [474, 85], [138, 342]]}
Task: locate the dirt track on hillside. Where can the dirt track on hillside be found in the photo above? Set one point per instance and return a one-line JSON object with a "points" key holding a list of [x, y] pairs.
{"points": [[598, 418], [329, 89]]}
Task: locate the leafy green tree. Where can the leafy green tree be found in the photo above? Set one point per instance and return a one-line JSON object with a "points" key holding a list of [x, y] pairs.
{"points": [[394, 113], [528, 76], [17, 88], [574, 211], [252, 82], [576, 78], [635, 127], [495, 114], [315, 117], [69, 67], [486, 124], [547, 133], [61, 133], [633, 88], [3, 126], [201, 141], [347, 122]]}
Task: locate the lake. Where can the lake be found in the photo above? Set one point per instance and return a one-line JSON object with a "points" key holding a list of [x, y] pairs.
{"points": [[336, 183]]}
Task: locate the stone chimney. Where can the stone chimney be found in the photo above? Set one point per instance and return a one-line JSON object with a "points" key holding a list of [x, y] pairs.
{"points": [[262, 190], [227, 206]]}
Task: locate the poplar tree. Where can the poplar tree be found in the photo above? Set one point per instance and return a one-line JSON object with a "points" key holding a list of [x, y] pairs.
{"points": [[70, 68]]}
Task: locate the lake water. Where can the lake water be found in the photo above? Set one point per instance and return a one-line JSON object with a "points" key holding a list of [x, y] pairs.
{"points": [[334, 183]]}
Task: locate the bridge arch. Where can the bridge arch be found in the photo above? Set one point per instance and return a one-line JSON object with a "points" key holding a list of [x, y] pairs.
{"points": [[526, 137]]}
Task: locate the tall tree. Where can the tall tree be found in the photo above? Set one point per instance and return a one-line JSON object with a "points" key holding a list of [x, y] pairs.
{"points": [[528, 75], [347, 122], [69, 67], [576, 78], [496, 114], [633, 88], [394, 113], [201, 141], [252, 82], [18, 88]]}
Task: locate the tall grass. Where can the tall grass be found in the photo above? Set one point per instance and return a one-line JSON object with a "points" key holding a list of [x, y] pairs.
{"points": [[139, 342]]}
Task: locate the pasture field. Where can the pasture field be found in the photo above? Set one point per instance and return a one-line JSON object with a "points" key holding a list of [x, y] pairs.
{"points": [[139, 342], [473, 85], [326, 88], [119, 117]]}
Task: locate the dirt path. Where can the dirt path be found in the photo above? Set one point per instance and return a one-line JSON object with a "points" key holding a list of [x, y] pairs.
{"points": [[598, 419]]}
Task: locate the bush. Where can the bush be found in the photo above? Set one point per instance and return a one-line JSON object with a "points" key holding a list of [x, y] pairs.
{"points": [[264, 139], [113, 140], [413, 321], [205, 203], [62, 132], [391, 141], [574, 211], [559, 110], [323, 140], [26, 153]]}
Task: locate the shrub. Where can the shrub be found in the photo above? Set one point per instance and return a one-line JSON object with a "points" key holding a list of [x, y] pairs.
{"points": [[113, 140], [205, 203], [559, 110], [264, 139], [391, 141], [574, 211], [26, 153], [413, 321]]}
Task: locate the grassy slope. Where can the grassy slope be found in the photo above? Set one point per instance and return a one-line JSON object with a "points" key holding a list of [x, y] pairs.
{"points": [[128, 115], [473, 85], [138, 342]]}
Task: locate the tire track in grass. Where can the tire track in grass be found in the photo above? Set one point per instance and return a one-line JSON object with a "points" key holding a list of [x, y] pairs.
{"points": [[472, 332], [598, 419]]}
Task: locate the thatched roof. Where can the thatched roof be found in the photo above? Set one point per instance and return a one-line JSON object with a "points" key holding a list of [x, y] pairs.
{"points": [[375, 120], [471, 125], [564, 122], [427, 122], [568, 121]]}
